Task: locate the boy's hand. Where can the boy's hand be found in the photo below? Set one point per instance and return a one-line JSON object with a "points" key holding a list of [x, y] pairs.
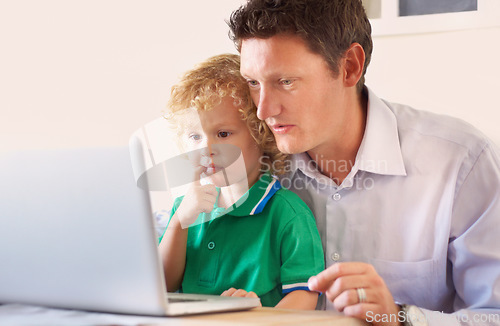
{"points": [[198, 199], [232, 292]]}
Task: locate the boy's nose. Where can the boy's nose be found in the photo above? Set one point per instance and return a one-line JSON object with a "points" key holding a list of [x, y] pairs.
{"points": [[209, 150]]}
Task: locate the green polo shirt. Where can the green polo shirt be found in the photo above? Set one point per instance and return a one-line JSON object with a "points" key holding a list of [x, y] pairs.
{"points": [[267, 243]]}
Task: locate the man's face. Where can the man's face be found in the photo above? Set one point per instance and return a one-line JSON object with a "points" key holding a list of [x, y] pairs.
{"points": [[295, 93]]}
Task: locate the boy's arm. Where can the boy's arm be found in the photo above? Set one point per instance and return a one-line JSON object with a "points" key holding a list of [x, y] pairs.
{"points": [[173, 253], [198, 199], [301, 256], [299, 299]]}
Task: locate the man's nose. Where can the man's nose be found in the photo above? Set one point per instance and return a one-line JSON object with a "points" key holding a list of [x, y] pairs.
{"points": [[267, 104]]}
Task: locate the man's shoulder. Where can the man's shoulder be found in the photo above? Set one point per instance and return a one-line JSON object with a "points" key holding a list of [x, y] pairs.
{"points": [[437, 129]]}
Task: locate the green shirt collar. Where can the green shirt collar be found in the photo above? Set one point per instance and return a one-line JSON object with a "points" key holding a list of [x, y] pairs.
{"points": [[253, 201]]}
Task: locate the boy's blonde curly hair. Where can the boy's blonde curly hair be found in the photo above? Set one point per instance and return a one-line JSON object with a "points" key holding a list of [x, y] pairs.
{"points": [[207, 84]]}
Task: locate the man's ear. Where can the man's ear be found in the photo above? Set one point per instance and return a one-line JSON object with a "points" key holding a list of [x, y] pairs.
{"points": [[353, 63]]}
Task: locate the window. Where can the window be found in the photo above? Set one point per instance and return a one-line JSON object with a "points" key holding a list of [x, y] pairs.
{"points": [[421, 16]]}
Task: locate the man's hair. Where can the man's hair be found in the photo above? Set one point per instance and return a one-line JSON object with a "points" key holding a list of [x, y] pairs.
{"points": [[206, 85], [328, 27]]}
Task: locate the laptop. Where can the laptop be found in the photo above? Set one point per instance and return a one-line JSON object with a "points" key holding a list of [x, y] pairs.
{"points": [[76, 232]]}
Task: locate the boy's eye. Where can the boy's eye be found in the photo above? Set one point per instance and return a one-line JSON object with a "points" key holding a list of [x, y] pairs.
{"points": [[195, 137], [223, 134]]}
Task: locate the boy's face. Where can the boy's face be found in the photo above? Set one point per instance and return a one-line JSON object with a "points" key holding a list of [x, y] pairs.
{"points": [[216, 138]]}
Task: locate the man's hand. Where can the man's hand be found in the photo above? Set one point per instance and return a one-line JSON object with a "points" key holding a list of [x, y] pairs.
{"points": [[340, 283], [232, 292], [198, 199]]}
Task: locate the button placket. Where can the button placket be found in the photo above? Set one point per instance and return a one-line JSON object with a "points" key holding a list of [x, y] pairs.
{"points": [[209, 259]]}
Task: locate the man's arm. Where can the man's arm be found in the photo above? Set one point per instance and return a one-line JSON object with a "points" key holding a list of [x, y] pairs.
{"points": [[473, 253]]}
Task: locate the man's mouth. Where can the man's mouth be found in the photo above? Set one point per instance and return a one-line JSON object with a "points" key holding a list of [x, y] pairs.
{"points": [[281, 129]]}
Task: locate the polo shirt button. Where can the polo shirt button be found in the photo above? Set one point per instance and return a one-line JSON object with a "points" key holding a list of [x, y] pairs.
{"points": [[336, 197], [335, 256], [211, 245]]}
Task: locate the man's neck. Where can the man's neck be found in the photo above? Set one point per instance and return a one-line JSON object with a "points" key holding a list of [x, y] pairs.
{"points": [[336, 158]]}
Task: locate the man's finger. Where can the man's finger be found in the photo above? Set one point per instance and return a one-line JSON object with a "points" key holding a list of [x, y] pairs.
{"points": [[325, 279], [351, 297], [363, 311], [346, 283]]}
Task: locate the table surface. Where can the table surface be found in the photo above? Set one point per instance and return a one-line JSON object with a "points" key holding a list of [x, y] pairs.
{"points": [[267, 316]]}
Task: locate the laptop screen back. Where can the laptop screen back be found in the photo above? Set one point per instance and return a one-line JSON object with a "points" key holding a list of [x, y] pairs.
{"points": [[76, 232]]}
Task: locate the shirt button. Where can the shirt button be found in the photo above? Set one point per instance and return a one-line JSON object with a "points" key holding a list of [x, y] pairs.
{"points": [[335, 256], [211, 245], [336, 197]]}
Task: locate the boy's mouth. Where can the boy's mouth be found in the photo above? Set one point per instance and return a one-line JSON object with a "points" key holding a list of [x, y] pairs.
{"points": [[212, 169]]}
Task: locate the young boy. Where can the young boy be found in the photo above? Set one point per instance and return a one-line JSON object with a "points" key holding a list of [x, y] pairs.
{"points": [[247, 236]]}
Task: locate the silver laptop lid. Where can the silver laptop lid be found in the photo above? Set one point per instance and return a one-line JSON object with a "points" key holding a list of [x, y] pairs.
{"points": [[76, 232]]}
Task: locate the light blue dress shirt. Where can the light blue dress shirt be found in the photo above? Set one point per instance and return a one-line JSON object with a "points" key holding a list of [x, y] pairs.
{"points": [[421, 204]]}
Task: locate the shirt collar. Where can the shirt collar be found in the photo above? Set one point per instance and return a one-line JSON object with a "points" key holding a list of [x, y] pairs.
{"points": [[255, 199], [380, 150]]}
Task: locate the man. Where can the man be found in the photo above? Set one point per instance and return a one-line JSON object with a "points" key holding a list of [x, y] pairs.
{"points": [[407, 202]]}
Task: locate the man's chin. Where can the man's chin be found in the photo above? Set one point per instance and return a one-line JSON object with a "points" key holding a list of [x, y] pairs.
{"points": [[289, 148]]}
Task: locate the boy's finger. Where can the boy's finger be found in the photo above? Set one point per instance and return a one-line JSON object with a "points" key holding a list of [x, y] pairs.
{"points": [[251, 294], [228, 292], [239, 293], [210, 189], [197, 171], [206, 206]]}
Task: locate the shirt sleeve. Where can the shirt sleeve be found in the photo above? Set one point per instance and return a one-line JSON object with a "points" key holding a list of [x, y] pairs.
{"points": [[161, 215], [474, 246], [301, 252]]}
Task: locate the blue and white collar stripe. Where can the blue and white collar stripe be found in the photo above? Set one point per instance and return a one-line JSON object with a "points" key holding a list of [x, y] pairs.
{"points": [[271, 189]]}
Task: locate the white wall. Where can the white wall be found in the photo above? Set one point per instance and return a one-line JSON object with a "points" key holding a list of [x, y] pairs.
{"points": [[89, 73], [455, 73]]}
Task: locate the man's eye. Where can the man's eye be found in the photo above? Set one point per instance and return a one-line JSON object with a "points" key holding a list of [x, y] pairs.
{"points": [[253, 83], [286, 82], [223, 134]]}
